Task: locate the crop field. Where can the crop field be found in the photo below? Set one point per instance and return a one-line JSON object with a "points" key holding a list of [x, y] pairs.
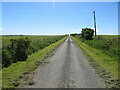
{"points": [[14, 46], [107, 44], [35, 39]]}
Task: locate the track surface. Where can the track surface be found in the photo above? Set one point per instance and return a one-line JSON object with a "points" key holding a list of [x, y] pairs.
{"points": [[68, 68]]}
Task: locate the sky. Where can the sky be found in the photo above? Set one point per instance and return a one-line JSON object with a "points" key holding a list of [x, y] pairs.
{"points": [[60, 0], [48, 18]]}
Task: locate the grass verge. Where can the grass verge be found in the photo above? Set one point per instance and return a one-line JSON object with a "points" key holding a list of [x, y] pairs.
{"points": [[103, 61], [12, 74]]}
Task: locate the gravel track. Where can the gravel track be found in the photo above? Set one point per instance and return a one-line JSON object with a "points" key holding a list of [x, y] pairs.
{"points": [[68, 68]]}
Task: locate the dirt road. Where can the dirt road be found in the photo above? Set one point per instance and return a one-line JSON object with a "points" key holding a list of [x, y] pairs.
{"points": [[68, 68]]}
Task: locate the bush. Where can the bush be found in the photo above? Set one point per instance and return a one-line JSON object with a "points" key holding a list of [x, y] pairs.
{"points": [[21, 47], [17, 48], [5, 58], [87, 33], [15, 51]]}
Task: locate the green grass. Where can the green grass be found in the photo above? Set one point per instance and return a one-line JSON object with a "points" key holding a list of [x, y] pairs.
{"points": [[107, 44], [35, 40], [104, 61], [10, 50], [13, 73]]}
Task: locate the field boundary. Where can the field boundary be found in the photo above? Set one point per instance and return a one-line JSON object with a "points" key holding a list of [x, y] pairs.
{"points": [[12, 74], [102, 63]]}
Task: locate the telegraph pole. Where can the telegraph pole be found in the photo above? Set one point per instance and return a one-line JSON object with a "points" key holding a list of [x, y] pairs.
{"points": [[94, 22]]}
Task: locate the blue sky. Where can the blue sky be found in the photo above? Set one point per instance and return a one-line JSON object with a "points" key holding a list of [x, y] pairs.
{"points": [[44, 18]]}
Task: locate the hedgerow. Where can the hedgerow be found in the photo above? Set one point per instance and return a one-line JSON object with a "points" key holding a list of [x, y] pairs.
{"points": [[18, 48]]}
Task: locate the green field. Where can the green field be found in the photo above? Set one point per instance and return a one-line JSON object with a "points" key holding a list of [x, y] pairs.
{"points": [[37, 43], [13, 73], [34, 39], [107, 44], [104, 51]]}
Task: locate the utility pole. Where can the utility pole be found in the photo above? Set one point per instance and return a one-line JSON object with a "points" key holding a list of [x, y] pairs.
{"points": [[94, 22]]}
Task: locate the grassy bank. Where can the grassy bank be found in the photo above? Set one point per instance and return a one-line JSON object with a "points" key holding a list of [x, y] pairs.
{"points": [[105, 62], [107, 44], [18, 48], [12, 74]]}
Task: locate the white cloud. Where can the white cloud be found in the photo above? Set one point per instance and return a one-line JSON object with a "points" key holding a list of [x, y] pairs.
{"points": [[80, 29]]}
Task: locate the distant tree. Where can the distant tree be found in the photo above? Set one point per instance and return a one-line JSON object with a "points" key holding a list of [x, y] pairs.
{"points": [[73, 34], [66, 34], [87, 33]]}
